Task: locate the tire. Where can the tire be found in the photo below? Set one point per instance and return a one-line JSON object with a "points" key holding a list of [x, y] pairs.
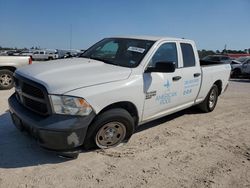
{"points": [[50, 58], [110, 129], [210, 101], [6, 79]]}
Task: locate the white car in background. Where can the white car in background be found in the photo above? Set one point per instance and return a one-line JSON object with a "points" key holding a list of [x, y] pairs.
{"points": [[45, 55]]}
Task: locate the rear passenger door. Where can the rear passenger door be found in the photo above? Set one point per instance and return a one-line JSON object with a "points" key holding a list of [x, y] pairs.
{"points": [[191, 74]]}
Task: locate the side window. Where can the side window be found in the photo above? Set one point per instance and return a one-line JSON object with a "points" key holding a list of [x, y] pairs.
{"points": [[165, 53], [187, 55], [41, 52]]}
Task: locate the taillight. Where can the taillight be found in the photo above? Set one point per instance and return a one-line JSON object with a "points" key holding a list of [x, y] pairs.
{"points": [[30, 61]]}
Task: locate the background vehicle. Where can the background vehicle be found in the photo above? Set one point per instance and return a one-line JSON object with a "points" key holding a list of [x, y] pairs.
{"points": [[45, 55], [240, 67], [9, 53], [8, 64], [27, 53], [98, 99], [64, 53], [218, 58]]}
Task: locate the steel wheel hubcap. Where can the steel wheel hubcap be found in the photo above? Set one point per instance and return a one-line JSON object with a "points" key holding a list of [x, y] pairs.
{"points": [[5, 80], [111, 134], [212, 99]]}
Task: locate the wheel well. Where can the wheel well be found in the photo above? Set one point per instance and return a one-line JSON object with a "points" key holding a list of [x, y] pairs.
{"points": [[12, 69], [218, 83], [130, 107]]}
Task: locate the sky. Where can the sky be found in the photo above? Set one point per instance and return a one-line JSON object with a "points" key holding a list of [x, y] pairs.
{"points": [[50, 24]]}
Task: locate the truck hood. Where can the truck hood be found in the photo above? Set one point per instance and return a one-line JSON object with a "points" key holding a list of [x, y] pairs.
{"points": [[61, 76]]}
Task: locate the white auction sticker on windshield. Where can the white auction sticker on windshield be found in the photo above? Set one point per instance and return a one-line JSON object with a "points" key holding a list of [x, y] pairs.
{"points": [[136, 49]]}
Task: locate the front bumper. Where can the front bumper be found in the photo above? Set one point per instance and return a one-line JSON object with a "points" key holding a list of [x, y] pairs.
{"points": [[54, 132]]}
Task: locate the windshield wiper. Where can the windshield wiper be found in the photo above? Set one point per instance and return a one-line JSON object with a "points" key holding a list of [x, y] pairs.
{"points": [[84, 56], [100, 59]]}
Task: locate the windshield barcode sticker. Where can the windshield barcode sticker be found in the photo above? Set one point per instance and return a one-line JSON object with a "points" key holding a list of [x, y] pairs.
{"points": [[136, 49]]}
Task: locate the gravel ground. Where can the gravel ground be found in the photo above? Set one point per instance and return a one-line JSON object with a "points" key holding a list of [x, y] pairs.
{"points": [[187, 149]]}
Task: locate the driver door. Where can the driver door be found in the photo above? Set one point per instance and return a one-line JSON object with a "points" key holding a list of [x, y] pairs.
{"points": [[161, 89]]}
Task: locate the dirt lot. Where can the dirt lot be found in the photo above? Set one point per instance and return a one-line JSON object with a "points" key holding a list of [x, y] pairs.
{"points": [[187, 149]]}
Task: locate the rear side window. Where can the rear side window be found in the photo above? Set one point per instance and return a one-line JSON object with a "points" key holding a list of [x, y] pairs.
{"points": [[187, 55]]}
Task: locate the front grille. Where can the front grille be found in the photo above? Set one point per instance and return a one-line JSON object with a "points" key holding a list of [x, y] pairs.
{"points": [[32, 95], [31, 90], [35, 105]]}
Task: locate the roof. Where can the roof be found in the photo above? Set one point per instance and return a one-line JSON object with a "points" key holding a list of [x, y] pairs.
{"points": [[153, 38]]}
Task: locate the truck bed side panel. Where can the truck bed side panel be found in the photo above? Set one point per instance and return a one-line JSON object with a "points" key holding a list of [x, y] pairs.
{"points": [[211, 74]]}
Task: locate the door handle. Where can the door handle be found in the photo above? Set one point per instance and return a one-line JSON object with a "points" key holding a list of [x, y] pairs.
{"points": [[197, 74], [176, 78]]}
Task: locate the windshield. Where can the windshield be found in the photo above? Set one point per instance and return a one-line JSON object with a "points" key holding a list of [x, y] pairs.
{"points": [[119, 51], [242, 59]]}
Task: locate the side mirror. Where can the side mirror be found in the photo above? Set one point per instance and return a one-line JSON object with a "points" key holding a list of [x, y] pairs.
{"points": [[167, 66]]}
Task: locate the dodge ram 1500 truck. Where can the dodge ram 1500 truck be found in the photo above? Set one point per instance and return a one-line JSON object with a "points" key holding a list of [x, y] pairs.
{"points": [[98, 99], [8, 65]]}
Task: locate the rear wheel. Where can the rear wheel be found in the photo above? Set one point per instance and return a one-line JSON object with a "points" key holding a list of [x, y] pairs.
{"points": [[110, 129], [210, 101], [6, 79]]}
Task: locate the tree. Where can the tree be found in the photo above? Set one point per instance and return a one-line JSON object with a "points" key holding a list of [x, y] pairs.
{"points": [[204, 53]]}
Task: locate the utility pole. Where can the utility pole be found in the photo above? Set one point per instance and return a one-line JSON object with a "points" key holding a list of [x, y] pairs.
{"points": [[225, 49], [70, 42]]}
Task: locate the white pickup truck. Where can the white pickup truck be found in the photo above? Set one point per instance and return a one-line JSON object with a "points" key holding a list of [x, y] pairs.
{"points": [[8, 65], [45, 54], [98, 99]]}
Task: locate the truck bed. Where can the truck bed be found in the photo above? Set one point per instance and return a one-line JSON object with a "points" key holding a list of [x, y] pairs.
{"points": [[212, 72]]}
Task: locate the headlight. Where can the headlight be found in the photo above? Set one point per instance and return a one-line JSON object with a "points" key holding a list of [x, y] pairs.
{"points": [[70, 105]]}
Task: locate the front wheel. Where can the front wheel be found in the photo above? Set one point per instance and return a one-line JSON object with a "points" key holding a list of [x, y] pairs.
{"points": [[110, 129], [6, 79], [210, 101]]}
